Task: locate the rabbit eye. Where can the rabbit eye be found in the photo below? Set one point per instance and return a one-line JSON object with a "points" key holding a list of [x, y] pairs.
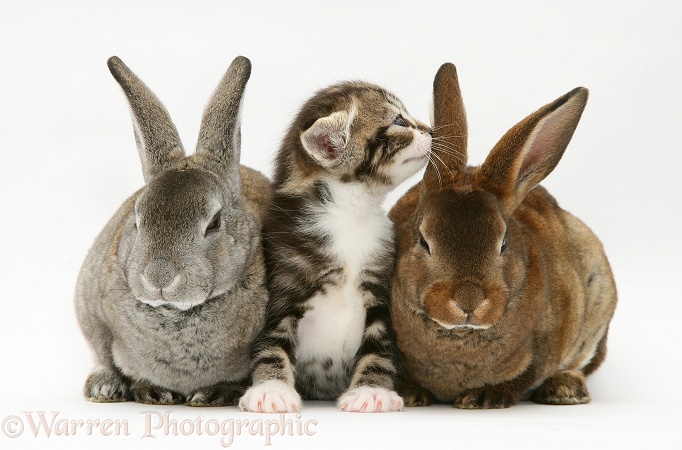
{"points": [[504, 243], [400, 121], [214, 224], [423, 243]]}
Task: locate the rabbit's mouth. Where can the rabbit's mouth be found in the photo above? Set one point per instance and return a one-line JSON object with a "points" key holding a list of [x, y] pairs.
{"points": [[182, 305], [161, 300], [462, 327]]}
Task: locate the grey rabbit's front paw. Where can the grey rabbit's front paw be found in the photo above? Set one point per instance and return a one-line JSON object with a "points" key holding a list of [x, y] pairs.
{"points": [[222, 394], [106, 386], [143, 392]]}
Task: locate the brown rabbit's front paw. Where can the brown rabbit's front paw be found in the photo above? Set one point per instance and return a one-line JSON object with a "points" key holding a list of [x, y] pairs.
{"points": [[106, 386], [414, 395], [563, 388], [144, 392], [493, 397], [222, 394]]}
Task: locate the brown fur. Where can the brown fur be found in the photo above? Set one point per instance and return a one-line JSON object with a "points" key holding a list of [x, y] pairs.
{"points": [[484, 247]]}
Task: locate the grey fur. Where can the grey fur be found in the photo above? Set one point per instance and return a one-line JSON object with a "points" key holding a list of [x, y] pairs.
{"points": [[193, 231]]}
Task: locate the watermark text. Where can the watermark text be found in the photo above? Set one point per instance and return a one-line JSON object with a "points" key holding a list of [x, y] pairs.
{"points": [[154, 425]]}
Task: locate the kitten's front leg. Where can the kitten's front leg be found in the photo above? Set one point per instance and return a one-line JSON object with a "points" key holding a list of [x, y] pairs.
{"points": [[373, 382], [273, 388]]}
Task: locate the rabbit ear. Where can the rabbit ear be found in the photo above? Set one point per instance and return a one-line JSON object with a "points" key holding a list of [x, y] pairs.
{"points": [[449, 145], [220, 132], [157, 138], [530, 150]]}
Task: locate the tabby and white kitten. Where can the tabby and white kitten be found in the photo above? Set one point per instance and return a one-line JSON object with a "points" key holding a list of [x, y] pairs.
{"points": [[330, 253]]}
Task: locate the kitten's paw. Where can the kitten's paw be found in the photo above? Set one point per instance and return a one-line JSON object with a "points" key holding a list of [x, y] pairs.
{"points": [[563, 388], [223, 394], [370, 399], [106, 386], [492, 397], [272, 396], [144, 392]]}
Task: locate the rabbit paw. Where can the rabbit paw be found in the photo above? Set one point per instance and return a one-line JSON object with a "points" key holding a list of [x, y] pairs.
{"points": [[492, 397], [370, 399], [222, 394], [563, 388], [144, 392], [106, 386], [414, 395], [272, 396]]}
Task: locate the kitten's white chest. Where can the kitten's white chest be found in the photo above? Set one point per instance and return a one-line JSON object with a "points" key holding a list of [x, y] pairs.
{"points": [[357, 230], [355, 224]]}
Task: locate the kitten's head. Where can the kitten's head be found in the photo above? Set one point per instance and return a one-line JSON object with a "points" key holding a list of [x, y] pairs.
{"points": [[356, 131]]}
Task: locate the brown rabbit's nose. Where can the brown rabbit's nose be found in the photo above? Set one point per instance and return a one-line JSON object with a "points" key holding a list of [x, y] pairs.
{"points": [[468, 297], [159, 274]]}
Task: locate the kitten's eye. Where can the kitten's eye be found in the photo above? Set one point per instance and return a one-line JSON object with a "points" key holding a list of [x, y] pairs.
{"points": [[400, 121], [214, 224], [423, 243], [504, 243]]}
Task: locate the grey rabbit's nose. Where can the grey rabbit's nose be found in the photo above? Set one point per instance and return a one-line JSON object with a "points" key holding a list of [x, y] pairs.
{"points": [[159, 274]]}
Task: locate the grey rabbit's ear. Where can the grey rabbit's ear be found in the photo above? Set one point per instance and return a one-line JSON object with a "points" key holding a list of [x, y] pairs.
{"points": [[449, 131], [157, 138], [531, 149], [220, 134]]}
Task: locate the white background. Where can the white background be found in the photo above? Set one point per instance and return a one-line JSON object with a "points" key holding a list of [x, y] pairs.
{"points": [[69, 160]]}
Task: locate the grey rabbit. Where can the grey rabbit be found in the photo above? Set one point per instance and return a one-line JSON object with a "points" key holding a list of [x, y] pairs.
{"points": [[172, 293]]}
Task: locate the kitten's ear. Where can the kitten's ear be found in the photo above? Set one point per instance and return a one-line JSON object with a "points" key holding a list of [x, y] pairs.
{"points": [[326, 139]]}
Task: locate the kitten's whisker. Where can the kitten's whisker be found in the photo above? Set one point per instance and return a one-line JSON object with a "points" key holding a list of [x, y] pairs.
{"points": [[444, 164], [452, 156], [455, 156], [443, 125], [435, 167]]}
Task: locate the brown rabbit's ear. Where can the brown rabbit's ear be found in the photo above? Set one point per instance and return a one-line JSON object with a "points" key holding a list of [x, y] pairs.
{"points": [[449, 145], [157, 138], [531, 149]]}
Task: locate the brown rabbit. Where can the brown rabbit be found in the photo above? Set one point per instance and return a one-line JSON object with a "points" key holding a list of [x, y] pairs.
{"points": [[499, 295]]}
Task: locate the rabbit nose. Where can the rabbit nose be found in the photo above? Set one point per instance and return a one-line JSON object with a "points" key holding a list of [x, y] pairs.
{"points": [[159, 274], [468, 297]]}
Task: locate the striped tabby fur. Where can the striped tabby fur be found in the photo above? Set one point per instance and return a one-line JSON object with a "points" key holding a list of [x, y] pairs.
{"points": [[330, 252]]}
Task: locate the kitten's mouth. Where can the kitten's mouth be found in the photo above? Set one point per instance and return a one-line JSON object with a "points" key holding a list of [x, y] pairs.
{"points": [[415, 158]]}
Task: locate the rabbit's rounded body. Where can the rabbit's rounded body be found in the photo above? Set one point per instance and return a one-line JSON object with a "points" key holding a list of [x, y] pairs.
{"points": [[498, 294], [180, 350], [557, 314], [172, 294]]}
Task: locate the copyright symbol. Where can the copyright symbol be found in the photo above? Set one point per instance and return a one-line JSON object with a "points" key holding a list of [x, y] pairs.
{"points": [[12, 427]]}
